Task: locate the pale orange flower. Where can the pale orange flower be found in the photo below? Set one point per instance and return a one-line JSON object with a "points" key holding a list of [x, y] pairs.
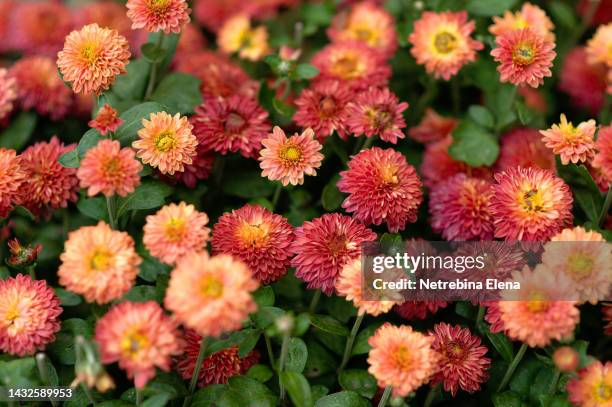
{"points": [[169, 16], [8, 93], [106, 120], [11, 179], [237, 35], [593, 386], [572, 144], [529, 16], [599, 48]]}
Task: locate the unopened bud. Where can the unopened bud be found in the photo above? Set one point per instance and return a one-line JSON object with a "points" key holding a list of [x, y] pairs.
{"points": [[22, 256], [566, 359], [285, 323]]}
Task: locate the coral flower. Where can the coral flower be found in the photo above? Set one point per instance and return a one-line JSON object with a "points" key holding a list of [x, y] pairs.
{"points": [[237, 35], [323, 107], [106, 120], [401, 358], [99, 263], [105, 13], [460, 208], [598, 47], [258, 237], [603, 156], [323, 246], [174, 231], [529, 16], [109, 169], [211, 295], [433, 127], [29, 315], [231, 124], [463, 362], [169, 16], [566, 359], [166, 142], [48, 185], [92, 57], [442, 42], [39, 87], [382, 187], [39, 28], [140, 337], [524, 147], [412, 310], [525, 57], [288, 159], [530, 204], [377, 112], [8, 93], [585, 83], [12, 176], [572, 144], [593, 386], [199, 169]]}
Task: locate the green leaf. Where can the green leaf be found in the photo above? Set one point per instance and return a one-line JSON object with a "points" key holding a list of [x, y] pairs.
{"points": [[481, 115], [207, 396], [150, 268], [159, 400], [524, 375], [247, 185], [264, 296], [319, 391], [524, 113], [506, 399], [342, 399], [67, 298], [584, 188], [150, 194], [317, 14], [152, 53], [18, 372], [298, 388], [266, 316], [261, 373], [248, 342], [297, 355], [465, 309], [4, 273], [248, 392], [562, 14], [132, 121], [361, 346], [473, 145], [489, 8], [140, 293], [306, 71], [17, 134], [63, 347], [133, 83], [329, 324], [331, 198], [180, 92], [72, 158], [320, 361], [94, 208], [282, 108], [359, 381], [499, 341]]}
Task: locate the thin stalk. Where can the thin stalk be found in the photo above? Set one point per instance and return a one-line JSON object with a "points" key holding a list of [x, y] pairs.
{"points": [[314, 302], [368, 143], [196, 372], [349, 342], [431, 395], [88, 393], [270, 351], [43, 372], [385, 397], [277, 193], [138, 397], [153, 71], [606, 207], [555, 381], [110, 205], [480, 315], [32, 271], [281, 364], [515, 362]]}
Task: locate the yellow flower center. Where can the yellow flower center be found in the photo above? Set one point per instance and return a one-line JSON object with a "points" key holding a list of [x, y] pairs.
{"points": [[454, 351], [580, 265], [532, 201], [112, 167], [254, 235], [348, 66], [523, 54], [291, 153], [89, 53], [158, 6], [537, 302], [445, 42], [175, 229], [388, 175], [100, 260], [402, 358], [603, 392], [337, 244], [211, 287], [328, 107], [12, 313], [379, 118], [365, 33], [166, 141], [133, 342]]}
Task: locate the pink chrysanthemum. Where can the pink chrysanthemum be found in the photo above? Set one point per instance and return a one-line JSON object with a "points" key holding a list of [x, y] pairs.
{"points": [[39, 28], [174, 231], [598, 47], [603, 156], [191, 41], [105, 13], [323, 246], [109, 169], [593, 386], [99, 263], [572, 144], [523, 147], [412, 310], [258, 237], [200, 169], [442, 42], [288, 159], [237, 36], [585, 83], [231, 124], [525, 57], [211, 295], [8, 93], [166, 142], [168, 16], [140, 337], [459, 208], [39, 87], [529, 16], [106, 120], [48, 185], [12, 177], [432, 127], [29, 315], [382, 187], [377, 112], [92, 57], [530, 204], [354, 63], [463, 363], [401, 358], [323, 107]]}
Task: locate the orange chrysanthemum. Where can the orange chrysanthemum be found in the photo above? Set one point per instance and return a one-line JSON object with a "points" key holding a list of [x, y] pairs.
{"points": [[237, 36], [106, 120], [109, 169], [211, 295], [29, 315], [8, 93], [12, 177], [401, 358], [603, 157], [174, 231], [572, 144], [140, 337], [92, 57], [99, 263], [168, 16], [593, 386], [598, 47], [442, 42], [166, 142], [529, 16]]}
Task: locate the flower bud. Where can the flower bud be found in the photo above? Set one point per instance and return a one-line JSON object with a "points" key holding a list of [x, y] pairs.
{"points": [[566, 359]]}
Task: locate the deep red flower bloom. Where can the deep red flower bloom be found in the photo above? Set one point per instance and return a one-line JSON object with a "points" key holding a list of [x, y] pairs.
{"points": [[199, 170], [524, 147], [432, 127], [412, 310], [585, 83]]}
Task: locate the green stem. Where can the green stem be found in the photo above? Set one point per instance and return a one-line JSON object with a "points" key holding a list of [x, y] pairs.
{"points": [[32, 271], [425, 98], [606, 207], [138, 397], [270, 351], [281, 364], [110, 205], [431, 395], [368, 143], [314, 302], [43, 372], [553, 384], [88, 394], [385, 397], [277, 193], [349, 342], [480, 315], [512, 367], [196, 372], [153, 71]]}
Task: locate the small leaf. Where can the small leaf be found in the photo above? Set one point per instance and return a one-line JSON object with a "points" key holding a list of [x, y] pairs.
{"points": [[207, 396], [506, 399], [70, 159], [298, 388], [481, 115], [297, 355], [283, 108], [264, 296], [306, 71], [473, 145], [488, 8], [342, 399], [132, 121], [247, 185], [140, 293], [180, 92], [524, 113], [331, 198], [359, 381], [134, 82], [94, 208], [266, 316], [67, 298], [152, 53], [150, 194], [499, 341], [361, 345], [159, 400], [329, 324], [261, 373], [19, 131]]}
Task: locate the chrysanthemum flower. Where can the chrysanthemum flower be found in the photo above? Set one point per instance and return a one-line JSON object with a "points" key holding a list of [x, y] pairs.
{"points": [[412, 310], [29, 315], [598, 47], [442, 42], [92, 57], [174, 231], [463, 363], [459, 208], [530, 204], [353, 63], [39, 87], [140, 337], [323, 246], [211, 295], [168, 16], [106, 120], [192, 40], [166, 142], [523, 147], [534, 99], [237, 36], [525, 57], [216, 368], [593, 386], [529, 16], [99, 263], [401, 358], [572, 144], [105, 13], [432, 127], [288, 159], [603, 156], [212, 13], [109, 169], [231, 124], [566, 359], [585, 83], [40, 27], [367, 23], [377, 112], [6, 11], [382, 187], [258, 237], [603, 11], [12, 177], [48, 185], [8, 93], [323, 107], [198, 170]]}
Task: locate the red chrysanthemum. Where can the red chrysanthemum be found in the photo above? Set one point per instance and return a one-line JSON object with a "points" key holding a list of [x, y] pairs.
{"points": [[585, 83], [198, 170], [106, 120], [191, 41], [323, 246], [8, 93], [168, 16], [523, 147], [432, 127], [12, 176], [463, 364], [382, 187], [234, 124], [412, 310], [603, 156]]}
